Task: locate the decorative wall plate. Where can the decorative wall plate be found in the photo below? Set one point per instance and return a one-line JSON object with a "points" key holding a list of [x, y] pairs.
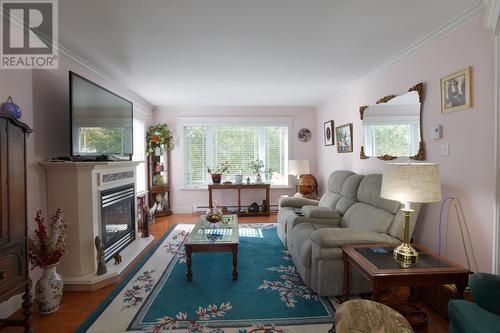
{"points": [[304, 135]]}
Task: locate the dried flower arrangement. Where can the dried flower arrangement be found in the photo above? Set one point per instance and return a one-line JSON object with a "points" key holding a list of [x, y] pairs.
{"points": [[47, 243]]}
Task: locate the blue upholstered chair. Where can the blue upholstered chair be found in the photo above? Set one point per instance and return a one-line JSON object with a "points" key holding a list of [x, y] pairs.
{"points": [[483, 316]]}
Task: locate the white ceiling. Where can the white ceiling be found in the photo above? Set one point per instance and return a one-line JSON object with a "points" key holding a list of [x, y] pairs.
{"points": [[245, 52]]}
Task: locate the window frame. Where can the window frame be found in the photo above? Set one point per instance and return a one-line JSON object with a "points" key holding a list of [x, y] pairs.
{"points": [[235, 121], [139, 116]]}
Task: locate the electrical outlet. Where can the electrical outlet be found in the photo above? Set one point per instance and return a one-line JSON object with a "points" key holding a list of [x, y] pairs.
{"points": [[445, 151]]}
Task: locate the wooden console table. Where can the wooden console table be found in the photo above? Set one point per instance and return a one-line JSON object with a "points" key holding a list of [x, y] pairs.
{"points": [[239, 187]]}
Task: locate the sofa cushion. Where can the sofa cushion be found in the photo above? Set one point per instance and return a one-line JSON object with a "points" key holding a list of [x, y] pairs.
{"points": [[369, 193], [329, 200], [337, 179], [363, 216], [336, 237], [320, 212]]}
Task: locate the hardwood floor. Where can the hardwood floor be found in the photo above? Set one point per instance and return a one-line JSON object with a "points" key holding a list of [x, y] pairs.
{"points": [[76, 306]]}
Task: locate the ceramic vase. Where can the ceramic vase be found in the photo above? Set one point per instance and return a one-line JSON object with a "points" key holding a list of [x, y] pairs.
{"points": [[49, 290], [258, 179]]}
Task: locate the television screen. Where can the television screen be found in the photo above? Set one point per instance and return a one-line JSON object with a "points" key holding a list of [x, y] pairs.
{"points": [[101, 121]]}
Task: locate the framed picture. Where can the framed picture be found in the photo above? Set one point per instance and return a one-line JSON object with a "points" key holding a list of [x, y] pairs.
{"points": [[456, 94], [328, 133], [344, 138]]}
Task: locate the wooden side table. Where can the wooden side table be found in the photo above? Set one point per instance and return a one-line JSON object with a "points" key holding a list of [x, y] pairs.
{"points": [[383, 271], [238, 188]]}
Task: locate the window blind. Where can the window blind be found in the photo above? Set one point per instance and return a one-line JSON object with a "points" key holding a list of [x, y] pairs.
{"points": [[208, 146]]}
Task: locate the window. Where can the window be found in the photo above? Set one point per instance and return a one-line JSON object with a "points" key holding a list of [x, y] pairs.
{"points": [[238, 142], [139, 154]]}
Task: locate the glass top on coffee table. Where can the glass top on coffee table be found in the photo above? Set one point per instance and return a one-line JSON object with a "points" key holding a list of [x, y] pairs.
{"points": [[224, 232]]}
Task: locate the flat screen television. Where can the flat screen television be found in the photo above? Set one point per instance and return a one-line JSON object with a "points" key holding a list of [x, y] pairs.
{"points": [[101, 122]]}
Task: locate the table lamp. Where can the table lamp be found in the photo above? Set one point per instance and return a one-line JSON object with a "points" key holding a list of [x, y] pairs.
{"points": [[298, 168], [410, 182]]}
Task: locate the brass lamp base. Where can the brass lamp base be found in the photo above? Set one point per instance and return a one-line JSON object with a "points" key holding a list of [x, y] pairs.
{"points": [[405, 254]]}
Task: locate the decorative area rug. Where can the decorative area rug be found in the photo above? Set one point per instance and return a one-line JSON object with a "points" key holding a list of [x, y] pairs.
{"points": [[268, 296]]}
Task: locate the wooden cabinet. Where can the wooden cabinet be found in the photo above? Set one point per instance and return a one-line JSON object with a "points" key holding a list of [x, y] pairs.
{"points": [[159, 182], [14, 273]]}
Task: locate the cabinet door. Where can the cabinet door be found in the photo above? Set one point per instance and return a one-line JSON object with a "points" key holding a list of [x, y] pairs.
{"points": [[16, 182], [4, 211]]}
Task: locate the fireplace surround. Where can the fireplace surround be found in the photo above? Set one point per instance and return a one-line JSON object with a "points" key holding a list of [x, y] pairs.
{"points": [[97, 199]]}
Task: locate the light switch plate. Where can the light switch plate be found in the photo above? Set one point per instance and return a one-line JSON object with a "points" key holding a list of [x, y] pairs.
{"points": [[445, 151]]}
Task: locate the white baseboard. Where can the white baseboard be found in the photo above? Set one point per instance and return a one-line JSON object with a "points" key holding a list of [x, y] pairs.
{"points": [[8, 308], [182, 210]]}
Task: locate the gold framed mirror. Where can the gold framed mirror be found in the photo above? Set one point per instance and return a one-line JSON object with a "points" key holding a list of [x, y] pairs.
{"points": [[392, 127]]}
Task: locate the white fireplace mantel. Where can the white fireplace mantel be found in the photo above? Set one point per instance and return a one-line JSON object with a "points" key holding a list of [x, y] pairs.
{"points": [[75, 188]]}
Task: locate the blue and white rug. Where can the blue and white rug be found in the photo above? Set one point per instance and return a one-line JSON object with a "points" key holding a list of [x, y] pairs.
{"points": [[268, 296]]}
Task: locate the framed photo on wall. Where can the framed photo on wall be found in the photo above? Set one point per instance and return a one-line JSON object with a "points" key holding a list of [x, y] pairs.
{"points": [[328, 133], [456, 94], [344, 138]]}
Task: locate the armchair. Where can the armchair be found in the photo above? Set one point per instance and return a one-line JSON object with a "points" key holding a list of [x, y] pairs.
{"points": [[483, 315]]}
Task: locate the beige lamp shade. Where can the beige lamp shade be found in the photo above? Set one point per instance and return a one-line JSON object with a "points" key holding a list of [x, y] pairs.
{"points": [[411, 182], [298, 167]]}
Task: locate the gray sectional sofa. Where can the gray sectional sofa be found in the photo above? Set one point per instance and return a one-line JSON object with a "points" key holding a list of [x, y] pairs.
{"points": [[350, 212]]}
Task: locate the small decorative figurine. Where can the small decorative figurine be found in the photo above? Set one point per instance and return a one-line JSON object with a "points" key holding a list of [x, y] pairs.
{"points": [[101, 264], [118, 258], [264, 206], [248, 180], [147, 221]]}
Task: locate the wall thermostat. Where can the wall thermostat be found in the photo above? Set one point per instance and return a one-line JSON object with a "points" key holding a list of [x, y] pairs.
{"points": [[436, 132]]}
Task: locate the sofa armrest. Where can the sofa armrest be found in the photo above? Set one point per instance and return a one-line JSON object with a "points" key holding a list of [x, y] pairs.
{"points": [[297, 202], [337, 237], [320, 212]]}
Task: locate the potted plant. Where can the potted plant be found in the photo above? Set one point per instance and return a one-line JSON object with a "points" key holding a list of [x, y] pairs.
{"points": [[160, 137], [257, 166], [269, 174], [46, 246], [216, 173]]}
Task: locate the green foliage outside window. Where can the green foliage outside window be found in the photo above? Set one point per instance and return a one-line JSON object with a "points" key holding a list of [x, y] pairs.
{"points": [[101, 139]]}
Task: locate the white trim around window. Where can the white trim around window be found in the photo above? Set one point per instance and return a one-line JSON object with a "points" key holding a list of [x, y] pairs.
{"points": [[183, 122]]}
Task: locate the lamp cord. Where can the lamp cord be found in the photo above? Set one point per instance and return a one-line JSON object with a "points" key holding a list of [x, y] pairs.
{"points": [[460, 212]]}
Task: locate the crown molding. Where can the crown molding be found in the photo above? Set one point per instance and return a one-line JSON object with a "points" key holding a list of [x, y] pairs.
{"points": [[465, 17], [69, 55], [145, 104], [492, 15]]}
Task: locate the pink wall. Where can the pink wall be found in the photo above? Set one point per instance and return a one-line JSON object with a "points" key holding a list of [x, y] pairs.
{"points": [[183, 200], [43, 97], [468, 172]]}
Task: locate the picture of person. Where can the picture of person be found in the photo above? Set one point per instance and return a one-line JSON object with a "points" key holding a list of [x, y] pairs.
{"points": [[456, 91]]}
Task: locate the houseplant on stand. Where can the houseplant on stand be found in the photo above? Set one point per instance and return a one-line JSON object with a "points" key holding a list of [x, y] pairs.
{"points": [[257, 166], [47, 245], [159, 137], [216, 173]]}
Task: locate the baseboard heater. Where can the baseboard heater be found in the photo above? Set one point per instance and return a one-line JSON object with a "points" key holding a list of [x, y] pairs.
{"points": [[202, 209]]}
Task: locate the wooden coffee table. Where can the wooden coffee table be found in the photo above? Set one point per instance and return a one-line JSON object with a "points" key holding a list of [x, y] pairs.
{"points": [[205, 237], [383, 271]]}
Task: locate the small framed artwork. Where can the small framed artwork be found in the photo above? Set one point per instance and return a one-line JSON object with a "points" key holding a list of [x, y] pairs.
{"points": [[328, 129], [456, 94], [344, 138]]}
